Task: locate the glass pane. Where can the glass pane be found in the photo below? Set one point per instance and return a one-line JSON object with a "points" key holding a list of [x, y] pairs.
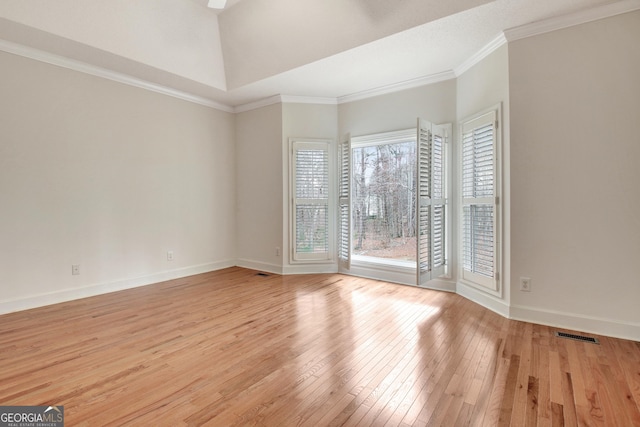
{"points": [[383, 201]]}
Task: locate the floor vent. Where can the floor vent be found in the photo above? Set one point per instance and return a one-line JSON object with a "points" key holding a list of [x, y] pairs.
{"points": [[262, 274], [577, 337]]}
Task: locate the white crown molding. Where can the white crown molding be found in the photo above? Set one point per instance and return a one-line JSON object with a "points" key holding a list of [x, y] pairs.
{"points": [[570, 20], [488, 49], [275, 99], [292, 99], [61, 61], [282, 99], [397, 87], [516, 33]]}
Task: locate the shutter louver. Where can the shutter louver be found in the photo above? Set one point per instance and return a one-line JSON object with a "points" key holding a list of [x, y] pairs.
{"points": [[311, 201], [431, 202], [477, 163], [424, 202], [344, 238], [438, 202], [438, 236], [478, 200], [311, 229], [478, 253], [312, 174]]}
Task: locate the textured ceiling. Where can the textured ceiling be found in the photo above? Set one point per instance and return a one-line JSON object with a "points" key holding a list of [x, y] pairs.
{"points": [[255, 49]]}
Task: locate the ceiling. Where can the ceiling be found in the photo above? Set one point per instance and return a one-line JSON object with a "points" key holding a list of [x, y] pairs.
{"points": [[255, 49]]}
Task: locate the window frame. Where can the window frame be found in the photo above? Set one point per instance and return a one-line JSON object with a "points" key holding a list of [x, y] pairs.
{"points": [[371, 140], [394, 270], [296, 257], [492, 285]]}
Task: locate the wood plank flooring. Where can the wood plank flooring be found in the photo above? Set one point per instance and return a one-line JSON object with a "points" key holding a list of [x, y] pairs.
{"points": [[232, 348]]}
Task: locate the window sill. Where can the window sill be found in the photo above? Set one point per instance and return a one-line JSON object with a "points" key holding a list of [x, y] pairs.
{"points": [[391, 265]]}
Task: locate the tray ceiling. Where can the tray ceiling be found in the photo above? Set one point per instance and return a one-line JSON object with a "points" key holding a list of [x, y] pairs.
{"points": [[255, 49]]}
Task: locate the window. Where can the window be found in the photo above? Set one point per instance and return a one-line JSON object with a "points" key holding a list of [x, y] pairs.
{"points": [[393, 199], [310, 190], [383, 195], [480, 200]]}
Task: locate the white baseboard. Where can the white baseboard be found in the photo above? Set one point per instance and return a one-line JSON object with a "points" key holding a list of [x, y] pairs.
{"points": [[577, 322], [383, 273], [488, 301], [259, 265], [397, 275], [105, 288], [571, 321], [310, 269], [441, 285]]}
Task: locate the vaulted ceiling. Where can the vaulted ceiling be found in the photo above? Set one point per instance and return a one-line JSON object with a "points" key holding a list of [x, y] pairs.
{"points": [[255, 49]]}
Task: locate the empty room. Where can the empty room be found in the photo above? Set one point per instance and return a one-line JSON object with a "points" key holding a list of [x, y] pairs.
{"points": [[319, 213]]}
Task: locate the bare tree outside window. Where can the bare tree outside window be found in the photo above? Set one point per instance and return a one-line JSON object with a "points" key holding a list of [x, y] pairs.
{"points": [[384, 195]]}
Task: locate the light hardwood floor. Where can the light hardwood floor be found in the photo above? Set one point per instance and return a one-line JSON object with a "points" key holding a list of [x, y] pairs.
{"points": [[234, 348]]}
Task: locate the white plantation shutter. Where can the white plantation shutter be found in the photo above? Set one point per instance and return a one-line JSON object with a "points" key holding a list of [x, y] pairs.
{"points": [[423, 203], [344, 203], [431, 201], [310, 200], [438, 201], [479, 201]]}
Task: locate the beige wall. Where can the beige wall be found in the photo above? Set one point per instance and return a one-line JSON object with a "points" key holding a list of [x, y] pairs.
{"points": [[263, 179], [484, 85], [109, 177], [575, 108], [396, 111], [260, 194]]}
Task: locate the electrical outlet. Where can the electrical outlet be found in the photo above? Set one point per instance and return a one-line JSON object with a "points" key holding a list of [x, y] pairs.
{"points": [[277, 251], [75, 269], [525, 284], [169, 255]]}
